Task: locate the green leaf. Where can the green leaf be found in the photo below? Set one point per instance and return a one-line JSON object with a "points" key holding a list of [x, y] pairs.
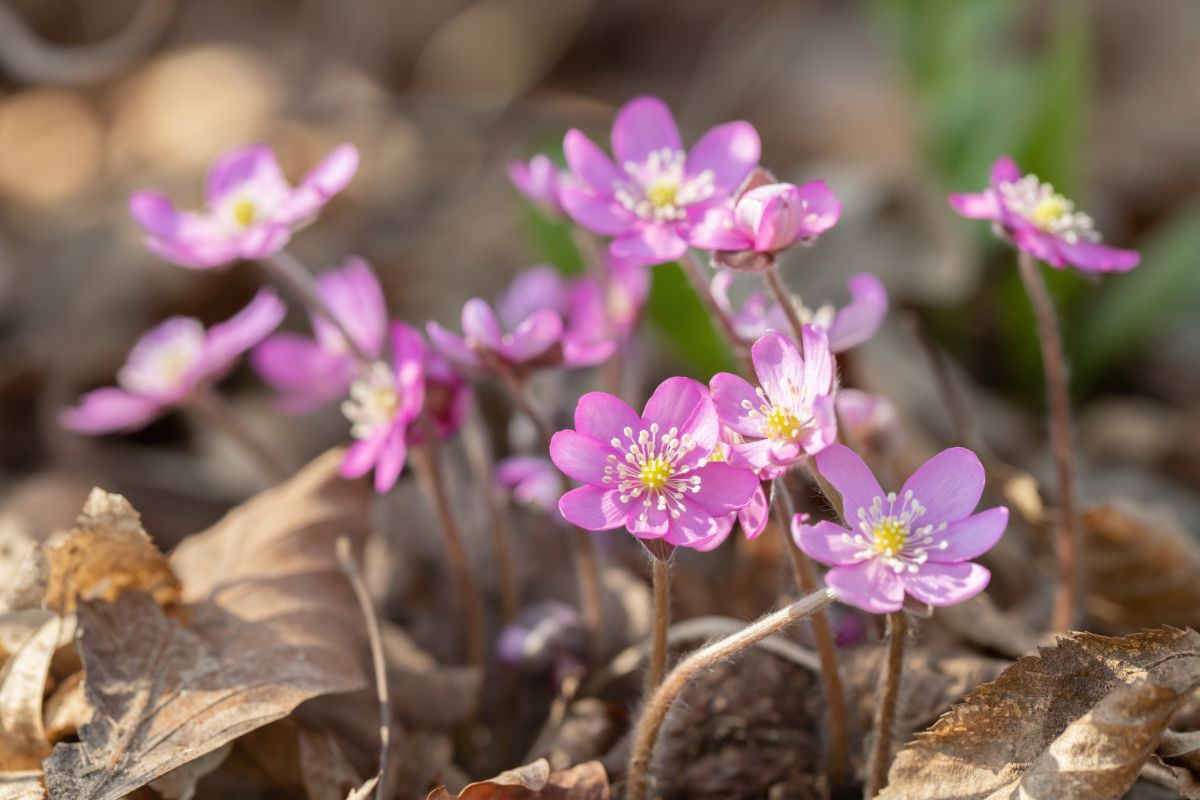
{"points": [[684, 323]]}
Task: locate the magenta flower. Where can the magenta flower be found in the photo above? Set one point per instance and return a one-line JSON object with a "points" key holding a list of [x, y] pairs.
{"points": [[249, 211], [651, 474], [384, 402], [763, 221], [539, 181], [649, 198], [169, 363], [1041, 222], [753, 516], [919, 541], [792, 415], [447, 397], [311, 372], [848, 326], [533, 481], [595, 314]]}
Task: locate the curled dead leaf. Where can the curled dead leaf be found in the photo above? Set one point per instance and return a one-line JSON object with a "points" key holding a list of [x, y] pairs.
{"points": [[1140, 566], [67, 709], [535, 781], [23, 742], [1077, 721], [25, 785]]}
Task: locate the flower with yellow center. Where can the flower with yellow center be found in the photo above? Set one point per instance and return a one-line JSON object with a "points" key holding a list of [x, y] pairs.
{"points": [[655, 473], [888, 530], [659, 189], [654, 468], [1047, 210], [243, 212], [373, 401]]}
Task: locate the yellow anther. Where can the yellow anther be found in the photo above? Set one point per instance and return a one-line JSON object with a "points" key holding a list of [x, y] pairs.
{"points": [[244, 212], [655, 473], [890, 536]]}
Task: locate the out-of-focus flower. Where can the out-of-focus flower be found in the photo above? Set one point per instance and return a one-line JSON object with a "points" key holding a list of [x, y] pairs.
{"points": [[765, 219], [754, 515], [651, 474], [919, 541], [311, 372], [447, 398], [1041, 222], [868, 420], [383, 404], [533, 481], [656, 189], [792, 415], [848, 326], [250, 210], [544, 635], [538, 180], [598, 312], [169, 363]]}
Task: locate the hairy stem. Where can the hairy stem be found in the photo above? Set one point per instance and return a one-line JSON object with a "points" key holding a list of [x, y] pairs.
{"points": [[784, 298], [1054, 366], [660, 703], [216, 412], [662, 621], [289, 272], [479, 455], [880, 757], [694, 271], [427, 463], [374, 636], [806, 581]]}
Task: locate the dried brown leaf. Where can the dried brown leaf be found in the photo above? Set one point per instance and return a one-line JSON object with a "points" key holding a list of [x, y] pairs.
{"points": [[300, 758], [22, 785], [180, 783], [1141, 567], [23, 742], [1180, 753], [535, 781], [271, 623], [67, 709], [364, 791], [425, 693], [1077, 721], [105, 554], [980, 623]]}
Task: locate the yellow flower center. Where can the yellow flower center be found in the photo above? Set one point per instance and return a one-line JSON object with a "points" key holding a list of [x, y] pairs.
{"points": [[782, 424], [890, 536], [662, 194], [1049, 210], [244, 212], [655, 473]]}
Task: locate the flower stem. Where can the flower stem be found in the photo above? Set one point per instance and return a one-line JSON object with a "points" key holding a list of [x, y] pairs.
{"points": [[694, 271], [885, 708], [216, 412], [587, 567], [374, 636], [784, 298], [662, 621], [806, 581], [479, 455], [660, 703], [289, 272], [1054, 366], [427, 464]]}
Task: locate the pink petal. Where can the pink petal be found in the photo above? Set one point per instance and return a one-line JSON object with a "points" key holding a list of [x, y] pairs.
{"points": [[730, 394], [534, 289], [603, 416], [823, 431], [818, 361], [781, 370], [716, 532], [723, 489], [155, 213], [593, 509], [712, 228], [227, 340], [1041, 246], [858, 321], [698, 529], [538, 333], [583, 353], [262, 241], [391, 460], [1004, 170], [673, 404], [234, 167], [948, 485], [354, 295], [825, 542], [330, 175], [653, 244], [754, 515], [454, 348], [598, 214], [980, 205], [362, 455], [590, 164], [109, 410], [582, 458], [643, 125], [647, 522], [850, 477], [309, 375], [1095, 257], [971, 536], [820, 209], [756, 455], [946, 584], [480, 326], [870, 585], [730, 151]]}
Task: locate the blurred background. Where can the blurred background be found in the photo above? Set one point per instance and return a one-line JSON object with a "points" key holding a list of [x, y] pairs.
{"points": [[895, 103]]}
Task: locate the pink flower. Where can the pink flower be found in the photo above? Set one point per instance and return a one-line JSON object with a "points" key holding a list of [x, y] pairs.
{"points": [[249, 211], [533, 482], [792, 415], [754, 515], [656, 189], [447, 397], [594, 314], [868, 420], [171, 362], [383, 404], [849, 326], [651, 474], [919, 541], [764, 220], [539, 182], [1041, 222], [311, 372]]}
